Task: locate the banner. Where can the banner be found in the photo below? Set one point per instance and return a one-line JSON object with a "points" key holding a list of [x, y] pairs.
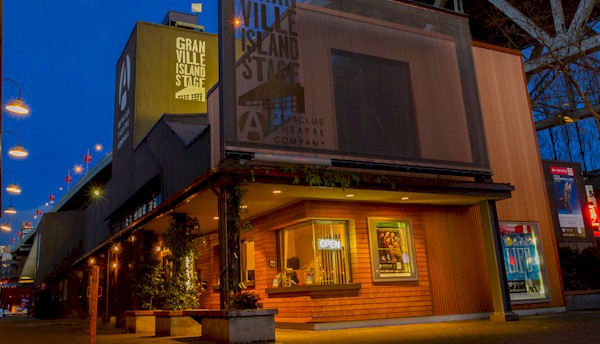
{"points": [[567, 201]]}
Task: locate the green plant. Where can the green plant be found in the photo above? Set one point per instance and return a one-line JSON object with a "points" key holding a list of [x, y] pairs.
{"points": [[244, 300], [150, 285], [181, 281]]}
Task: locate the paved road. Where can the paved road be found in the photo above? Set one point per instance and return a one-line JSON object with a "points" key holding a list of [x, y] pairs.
{"points": [[572, 327]]}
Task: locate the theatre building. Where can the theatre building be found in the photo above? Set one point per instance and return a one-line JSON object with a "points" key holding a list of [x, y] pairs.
{"points": [[360, 164]]}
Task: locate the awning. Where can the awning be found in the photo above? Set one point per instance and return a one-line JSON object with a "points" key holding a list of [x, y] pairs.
{"points": [[29, 268]]}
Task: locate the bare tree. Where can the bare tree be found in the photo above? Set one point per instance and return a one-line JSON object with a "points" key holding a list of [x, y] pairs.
{"points": [[560, 43]]}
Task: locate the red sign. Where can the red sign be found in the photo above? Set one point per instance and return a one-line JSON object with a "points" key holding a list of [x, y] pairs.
{"points": [[87, 158], [38, 212], [68, 179], [594, 215], [565, 171]]}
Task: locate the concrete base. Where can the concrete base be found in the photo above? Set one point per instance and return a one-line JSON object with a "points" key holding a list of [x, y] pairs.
{"points": [[504, 316], [239, 326], [174, 323], [142, 323], [579, 301]]}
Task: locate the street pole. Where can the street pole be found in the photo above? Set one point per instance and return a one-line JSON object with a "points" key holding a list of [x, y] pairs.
{"points": [[93, 303]]}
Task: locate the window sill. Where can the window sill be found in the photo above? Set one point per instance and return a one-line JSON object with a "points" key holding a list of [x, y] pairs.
{"points": [[248, 284], [315, 289]]}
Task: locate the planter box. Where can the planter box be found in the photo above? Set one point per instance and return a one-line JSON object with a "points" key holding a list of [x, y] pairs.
{"points": [[236, 326], [142, 323], [175, 323], [582, 300]]}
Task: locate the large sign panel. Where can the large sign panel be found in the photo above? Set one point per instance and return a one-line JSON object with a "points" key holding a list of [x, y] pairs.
{"points": [[162, 70], [316, 82], [567, 201]]}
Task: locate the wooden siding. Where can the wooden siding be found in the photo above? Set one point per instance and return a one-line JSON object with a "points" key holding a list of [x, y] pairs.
{"points": [[513, 152], [456, 259]]}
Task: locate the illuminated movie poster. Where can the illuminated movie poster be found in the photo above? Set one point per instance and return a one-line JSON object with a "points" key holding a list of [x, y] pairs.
{"points": [[522, 261], [567, 202], [392, 250]]}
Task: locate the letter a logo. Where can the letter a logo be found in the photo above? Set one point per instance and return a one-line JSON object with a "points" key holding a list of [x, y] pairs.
{"points": [[252, 125], [124, 82]]}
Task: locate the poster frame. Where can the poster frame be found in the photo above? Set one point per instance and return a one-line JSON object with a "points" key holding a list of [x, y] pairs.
{"points": [[541, 266], [411, 274]]}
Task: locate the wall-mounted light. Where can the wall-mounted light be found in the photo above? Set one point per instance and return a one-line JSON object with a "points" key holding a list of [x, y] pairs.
{"points": [[10, 210], [17, 106], [6, 226], [18, 151], [13, 188]]}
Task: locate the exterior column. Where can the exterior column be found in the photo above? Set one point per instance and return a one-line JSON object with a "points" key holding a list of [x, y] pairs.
{"points": [[501, 308], [229, 244]]}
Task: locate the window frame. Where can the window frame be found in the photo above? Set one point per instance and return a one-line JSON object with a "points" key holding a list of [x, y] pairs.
{"points": [[347, 255]]}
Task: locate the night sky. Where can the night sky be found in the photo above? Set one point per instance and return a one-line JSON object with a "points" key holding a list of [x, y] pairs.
{"points": [[64, 54]]}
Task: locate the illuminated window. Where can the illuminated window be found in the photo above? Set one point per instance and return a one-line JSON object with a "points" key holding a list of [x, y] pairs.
{"points": [[314, 252], [248, 261], [523, 260]]}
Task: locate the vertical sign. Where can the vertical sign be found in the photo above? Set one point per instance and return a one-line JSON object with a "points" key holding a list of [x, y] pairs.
{"points": [[592, 207], [566, 197]]}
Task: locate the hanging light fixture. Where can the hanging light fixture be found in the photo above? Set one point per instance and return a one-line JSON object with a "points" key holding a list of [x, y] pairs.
{"points": [[10, 210], [17, 106], [13, 188], [6, 226], [18, 151]]}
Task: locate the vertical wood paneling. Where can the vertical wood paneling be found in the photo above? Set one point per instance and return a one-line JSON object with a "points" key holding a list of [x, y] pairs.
{"points": [[457, 261], [513, 151], [434, 73]]}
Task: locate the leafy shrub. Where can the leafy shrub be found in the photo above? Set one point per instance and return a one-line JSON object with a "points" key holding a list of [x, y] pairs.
{"points": [[244, 300]]}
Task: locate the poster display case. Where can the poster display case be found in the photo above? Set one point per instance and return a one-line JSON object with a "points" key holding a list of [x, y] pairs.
{"points": [[392, 250], [523, 260]]}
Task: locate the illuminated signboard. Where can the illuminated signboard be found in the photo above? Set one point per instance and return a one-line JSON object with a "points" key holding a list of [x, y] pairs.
{"points": [[570, 216], [392, 250], [592, 207], [329, 244], [523, 261]]}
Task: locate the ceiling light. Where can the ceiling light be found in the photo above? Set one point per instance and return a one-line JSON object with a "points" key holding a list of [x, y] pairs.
{"points": [[5, 227], [405, 198], [276, 191], [349, 195]]}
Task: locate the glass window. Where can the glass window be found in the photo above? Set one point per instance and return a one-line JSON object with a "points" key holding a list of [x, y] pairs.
{"points": [[523, 260], [313, 253], [248, 261], [392, 250]]}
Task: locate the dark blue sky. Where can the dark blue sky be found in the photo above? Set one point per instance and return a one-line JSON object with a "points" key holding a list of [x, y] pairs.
{"points": [[63, 54]]}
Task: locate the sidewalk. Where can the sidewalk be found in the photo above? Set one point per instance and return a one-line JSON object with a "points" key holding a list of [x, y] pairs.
{"points": [[571, 327]]}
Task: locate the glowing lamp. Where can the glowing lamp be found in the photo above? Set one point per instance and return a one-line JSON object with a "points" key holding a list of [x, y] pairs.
{"points": [[5, 227], [18, 152], [10, 210], [13, 189]]}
